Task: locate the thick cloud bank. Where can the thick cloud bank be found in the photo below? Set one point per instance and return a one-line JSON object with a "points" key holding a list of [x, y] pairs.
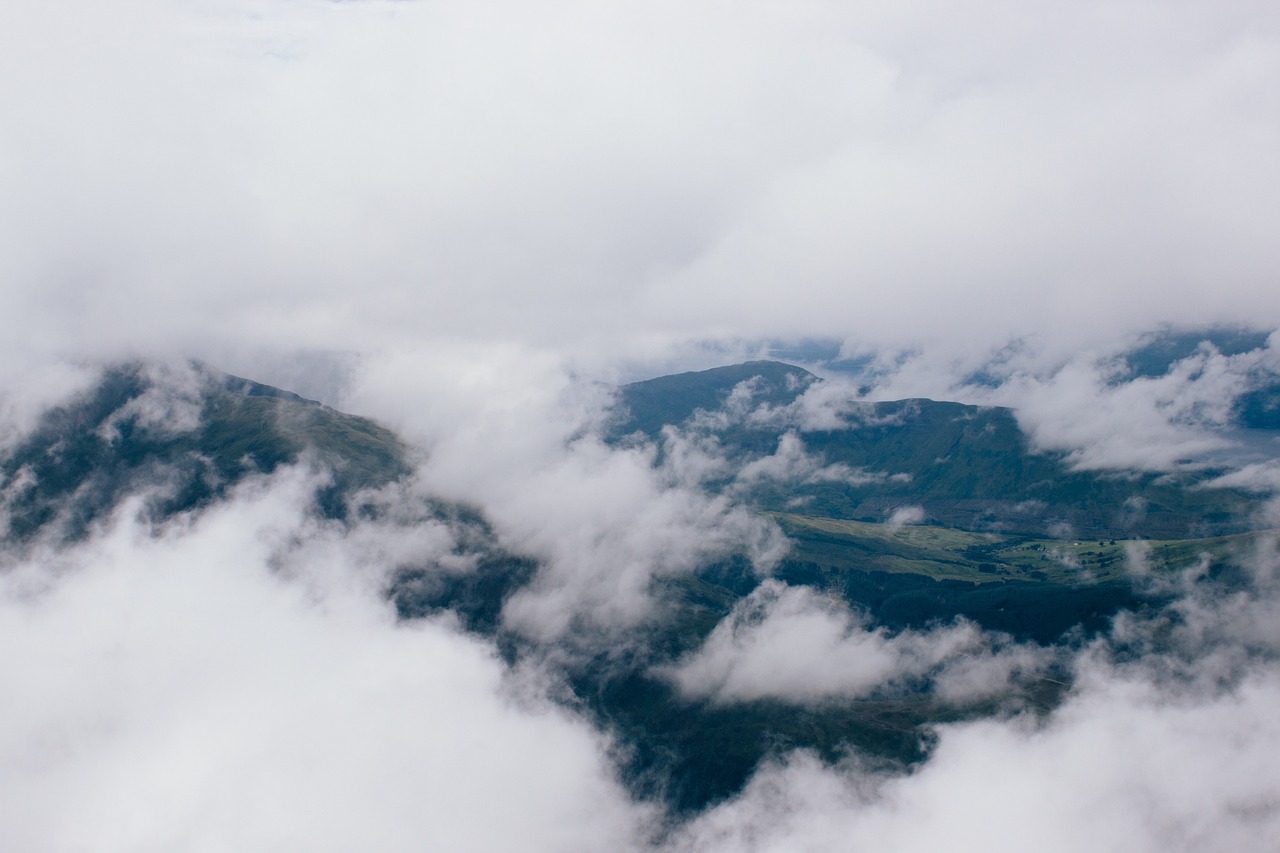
{"points": [[238, 682], [1123, 766], [249, 178], [237, 679]]}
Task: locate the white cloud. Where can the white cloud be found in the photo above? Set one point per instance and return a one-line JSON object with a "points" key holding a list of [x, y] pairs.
{"points": [[510, 432], [613, 528], [905, 515], [466, 208], [1163, 743], [1121, 766], [30, 387], [793, 644], [232, 683], [791, 463], [235, 178], [171, 403], [1146, 423], [1261, 477]]}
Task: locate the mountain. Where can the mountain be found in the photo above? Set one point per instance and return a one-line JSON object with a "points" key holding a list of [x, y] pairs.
{"points": [[994, 553], [963, 466], [1258, 408], [1163, 349], [649, 405], [998, 534], [182, 437]]}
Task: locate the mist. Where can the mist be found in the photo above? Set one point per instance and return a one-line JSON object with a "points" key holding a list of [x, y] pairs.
{"points": [[469, 223]]}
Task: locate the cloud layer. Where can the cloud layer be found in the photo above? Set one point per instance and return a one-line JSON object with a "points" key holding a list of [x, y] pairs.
{"points": [[238, 178], [456, 217], [793, 645], [1122, 766], [237, 681], [1162, 744]]}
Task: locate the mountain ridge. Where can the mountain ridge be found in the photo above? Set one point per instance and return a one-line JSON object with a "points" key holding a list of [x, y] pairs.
{"points": [[965, 465], [1030, 575], [198, 432]]}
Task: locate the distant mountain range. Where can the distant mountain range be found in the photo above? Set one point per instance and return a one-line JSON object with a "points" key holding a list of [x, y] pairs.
{"points": [[963, 466], [914, 512]]}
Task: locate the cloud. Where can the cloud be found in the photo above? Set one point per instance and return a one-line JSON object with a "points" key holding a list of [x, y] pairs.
{"points": [[905, 515], [237, 179], [171, 404], [1163, 743], [1145, 423], [1261, 477], [1121, 765], [235, 680], [454, 217], [791, 463], [30, 387], [1086, 406], [793, 644], [614, 528], [511, 433]]}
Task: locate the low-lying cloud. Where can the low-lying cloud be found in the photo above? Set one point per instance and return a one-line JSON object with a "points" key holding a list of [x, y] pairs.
{"points": [[1122, 765], [237, 680], [792, 464], [237, 676], [1163, 743], [454, 218], [512, 434], [795, 645]]}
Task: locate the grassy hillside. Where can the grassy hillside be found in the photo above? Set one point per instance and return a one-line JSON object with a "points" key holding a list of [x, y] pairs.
{"points": [[650, 405], [1013, 541], [945, 553], [965, 466], [85, 456]]}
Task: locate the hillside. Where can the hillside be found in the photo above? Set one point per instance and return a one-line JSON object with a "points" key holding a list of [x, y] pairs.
{"points": [[963, 466], [182, 440], [1005, 538]]}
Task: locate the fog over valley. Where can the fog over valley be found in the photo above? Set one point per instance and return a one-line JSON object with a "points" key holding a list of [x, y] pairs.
{"points": [[639, 426]]}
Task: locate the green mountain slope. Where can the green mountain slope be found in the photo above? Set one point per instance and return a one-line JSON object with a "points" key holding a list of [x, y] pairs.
{"points": [[964, 466], [649, 405], [1014, 542], [184, 446]]}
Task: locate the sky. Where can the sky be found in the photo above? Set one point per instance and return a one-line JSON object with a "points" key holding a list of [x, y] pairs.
{"points": [[465, 220], [599, 183]]}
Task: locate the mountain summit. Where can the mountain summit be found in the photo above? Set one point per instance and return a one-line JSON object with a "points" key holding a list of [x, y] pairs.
{"points": [[183, 436]]}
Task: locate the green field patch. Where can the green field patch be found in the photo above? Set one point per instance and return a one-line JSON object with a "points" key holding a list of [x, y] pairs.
{"points": [[944, 553]]}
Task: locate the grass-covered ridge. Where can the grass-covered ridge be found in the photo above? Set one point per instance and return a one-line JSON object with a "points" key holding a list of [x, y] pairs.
{"points": [[183, 441], [1006, 538], [965, 466]]}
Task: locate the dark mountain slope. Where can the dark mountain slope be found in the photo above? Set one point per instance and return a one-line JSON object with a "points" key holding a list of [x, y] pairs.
{"points": [[650, 405], [186, 438], [182, 442], [965, 466]]}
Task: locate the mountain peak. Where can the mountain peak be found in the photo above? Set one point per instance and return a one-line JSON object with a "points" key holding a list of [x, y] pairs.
{"points": [[654, 403], [185, 432]]}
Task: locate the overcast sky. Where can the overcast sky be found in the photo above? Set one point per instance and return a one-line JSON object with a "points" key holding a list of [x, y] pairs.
{"points": [[450, 215], [610, 179]]}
